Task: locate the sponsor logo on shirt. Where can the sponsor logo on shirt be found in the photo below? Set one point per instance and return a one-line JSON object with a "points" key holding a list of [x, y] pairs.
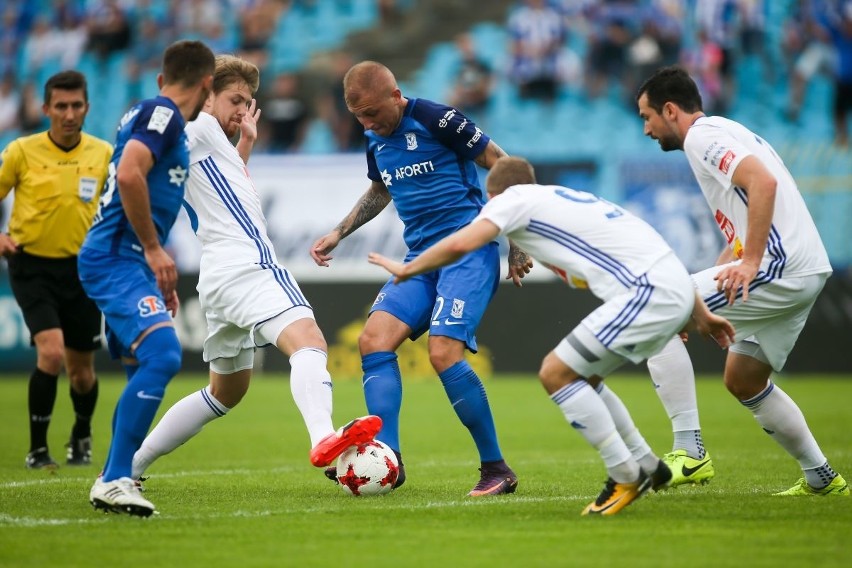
{"points": [[725, 163], [412, 170], [476, 136], [128, 116], [386, 178], [448, 116], [727, 228], [177, 175]]}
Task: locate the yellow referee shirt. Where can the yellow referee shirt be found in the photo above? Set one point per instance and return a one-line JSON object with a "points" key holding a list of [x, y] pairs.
{"points": [[56, 192]]}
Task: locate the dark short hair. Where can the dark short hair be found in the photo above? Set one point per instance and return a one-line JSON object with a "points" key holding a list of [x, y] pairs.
{"points": [[66, 81], [187, 62], [671, 84]]}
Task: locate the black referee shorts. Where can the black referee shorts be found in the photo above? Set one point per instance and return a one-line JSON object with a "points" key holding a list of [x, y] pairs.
{"points": [[50, 295]]}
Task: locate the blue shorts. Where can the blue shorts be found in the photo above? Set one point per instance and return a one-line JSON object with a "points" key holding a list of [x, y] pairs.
{"points": [[125, 290], [449, 301]]}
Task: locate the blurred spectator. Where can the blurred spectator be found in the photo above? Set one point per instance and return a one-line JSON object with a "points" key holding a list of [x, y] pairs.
{"points": [[474, 82], [42, 46], [30, 114], [331, 107], [11, 37], [840, 30], [612, 33], [152, 37], [807, 48], [538, 51], [70, 30], [716, 23], [704, 63], [9, 102], [109, 30], [257, 24], [284, 115]]}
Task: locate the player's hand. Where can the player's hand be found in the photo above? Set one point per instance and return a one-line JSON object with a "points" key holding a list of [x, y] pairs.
{"points": [[8, 246], [394, 267], [248, 125], [520, 264], [173, 304], [164, 270], [734, 277], [716, 328], [322, 247]]}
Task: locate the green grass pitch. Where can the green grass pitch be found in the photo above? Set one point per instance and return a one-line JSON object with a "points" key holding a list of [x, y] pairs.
{"points": [[242, 493]]}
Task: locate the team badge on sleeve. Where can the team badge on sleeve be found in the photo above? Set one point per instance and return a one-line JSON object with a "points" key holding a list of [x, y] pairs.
{"points": [[160, 119]]}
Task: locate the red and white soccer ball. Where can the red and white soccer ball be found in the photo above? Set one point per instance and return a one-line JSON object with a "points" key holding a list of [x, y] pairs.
{"points": [[367, 469]]}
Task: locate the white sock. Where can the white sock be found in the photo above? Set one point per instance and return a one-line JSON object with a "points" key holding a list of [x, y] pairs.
{"points": [[779, 417], [674, 378], [181, 422], [310, 384], [587, 413], [639, 448]]}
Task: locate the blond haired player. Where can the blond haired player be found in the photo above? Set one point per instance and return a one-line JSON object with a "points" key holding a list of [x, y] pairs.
{"points": [[249, 299]]}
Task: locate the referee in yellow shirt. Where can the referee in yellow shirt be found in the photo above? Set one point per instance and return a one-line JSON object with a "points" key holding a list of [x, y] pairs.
{"points": [[57, 177]]}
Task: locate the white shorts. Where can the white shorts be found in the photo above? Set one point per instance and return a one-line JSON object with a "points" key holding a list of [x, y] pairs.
{"points": [[634, 325], [773, 316], [237, 298]]}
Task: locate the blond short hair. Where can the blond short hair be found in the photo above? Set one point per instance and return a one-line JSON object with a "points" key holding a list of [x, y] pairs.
{"points": [[231, 69]]}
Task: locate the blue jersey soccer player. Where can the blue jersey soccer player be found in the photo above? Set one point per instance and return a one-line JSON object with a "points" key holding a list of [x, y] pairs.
{"points": [[126, 271], [423, 156]]}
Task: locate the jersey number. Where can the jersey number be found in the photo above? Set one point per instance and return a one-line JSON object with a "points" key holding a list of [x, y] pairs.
{"points": [[107, 195], [583, 197]]}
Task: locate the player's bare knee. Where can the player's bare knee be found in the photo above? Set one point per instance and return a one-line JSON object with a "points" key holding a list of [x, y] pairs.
{"points": [[442, 359]]}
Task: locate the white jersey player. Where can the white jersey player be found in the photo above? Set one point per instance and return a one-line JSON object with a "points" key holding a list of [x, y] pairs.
{"points": [[248, 298], [647, 293], [766, 282]]}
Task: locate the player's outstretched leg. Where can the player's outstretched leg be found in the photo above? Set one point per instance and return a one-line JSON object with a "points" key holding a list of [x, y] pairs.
{"points": [[358, 431]]}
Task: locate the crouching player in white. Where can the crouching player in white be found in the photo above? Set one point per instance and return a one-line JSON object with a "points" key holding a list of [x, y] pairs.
{"points": [[249, 299], [647, 294]]}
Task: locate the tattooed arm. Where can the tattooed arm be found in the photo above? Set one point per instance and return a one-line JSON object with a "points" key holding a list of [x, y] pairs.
{"points": [[374, 200], [490, 155]]}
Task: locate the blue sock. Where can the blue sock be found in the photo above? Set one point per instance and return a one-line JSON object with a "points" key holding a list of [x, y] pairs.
{"points": [[383, 393], [468, 398], [129, 370], [159, 357]]}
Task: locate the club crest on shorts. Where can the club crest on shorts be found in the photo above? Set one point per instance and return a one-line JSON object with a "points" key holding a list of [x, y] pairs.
{"points": [[379, 298], [151, 305], [458, 308]]}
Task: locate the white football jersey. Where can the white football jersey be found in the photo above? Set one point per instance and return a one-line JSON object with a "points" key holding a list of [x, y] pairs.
{"points": [[224, 206], [587, 241], [715, 146]]}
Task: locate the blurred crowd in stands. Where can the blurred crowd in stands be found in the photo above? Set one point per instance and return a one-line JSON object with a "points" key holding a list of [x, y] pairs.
{"points": [[552, 49]]}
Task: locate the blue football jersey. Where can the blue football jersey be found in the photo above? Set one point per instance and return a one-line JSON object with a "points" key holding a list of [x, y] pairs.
{"points": [[427, 166], [158, 124]]}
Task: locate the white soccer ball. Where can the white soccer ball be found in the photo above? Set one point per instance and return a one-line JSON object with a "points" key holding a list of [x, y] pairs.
{"points": [[367, 469]]}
